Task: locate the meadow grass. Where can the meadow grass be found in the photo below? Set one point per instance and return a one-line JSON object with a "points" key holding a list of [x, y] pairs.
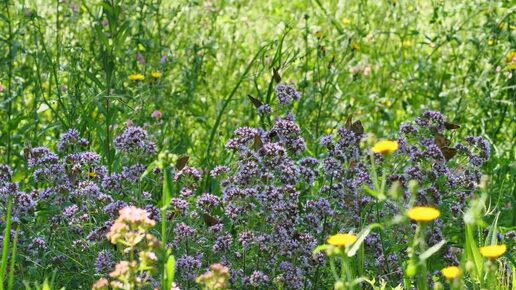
{"points": [[73, 64]]}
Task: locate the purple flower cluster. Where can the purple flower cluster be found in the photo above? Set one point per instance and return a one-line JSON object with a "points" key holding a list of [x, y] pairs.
{"points": [[23, 203], [287, 94], [104, 262], [189, 267], [436, 163], [70, 139], [433, 121], [265, 208], [78, 186], [265, 109], [135, 140]]}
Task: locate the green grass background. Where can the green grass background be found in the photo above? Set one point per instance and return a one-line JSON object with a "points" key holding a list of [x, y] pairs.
{"points": [[65, 64]]}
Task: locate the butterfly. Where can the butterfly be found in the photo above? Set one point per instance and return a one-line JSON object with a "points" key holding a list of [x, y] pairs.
{"points": [[451, 126], [257, 103], [210, 220], [355, 127], [443, 143], [181, 162]]}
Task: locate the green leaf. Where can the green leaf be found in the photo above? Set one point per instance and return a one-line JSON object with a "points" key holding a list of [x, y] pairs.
{"points": [[150, 168], [473, 253], [378, 195], [320, 249], [170, 272], [361, 237], [493, 231], [10, 281], [432, 250], [46, 285], [7, 239]]}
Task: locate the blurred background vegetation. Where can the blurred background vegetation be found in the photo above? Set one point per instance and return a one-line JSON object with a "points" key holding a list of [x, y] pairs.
{"points": [[65, 64]]}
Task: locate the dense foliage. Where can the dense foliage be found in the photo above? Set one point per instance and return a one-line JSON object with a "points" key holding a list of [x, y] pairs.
{"points": [[257, 144]]}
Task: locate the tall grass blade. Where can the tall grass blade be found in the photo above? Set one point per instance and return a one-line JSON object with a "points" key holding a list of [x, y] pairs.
{"points": [[10, 282], [7, 240]]}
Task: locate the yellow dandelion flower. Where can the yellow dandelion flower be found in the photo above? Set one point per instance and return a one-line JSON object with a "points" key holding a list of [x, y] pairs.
{"points": [[346, 21], [493, 252], [342, 240], [136, 77], [156, 74], [385, 147], [423, 213], [451, 272]]}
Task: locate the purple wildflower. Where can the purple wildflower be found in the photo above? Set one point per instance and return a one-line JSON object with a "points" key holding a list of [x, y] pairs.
{"points": [[265, 109], [6, 173], [219, 170], [104, 262], [135, 140], [189, 266], [207, 202], [286, 94], [70, 139], [258, 279]]}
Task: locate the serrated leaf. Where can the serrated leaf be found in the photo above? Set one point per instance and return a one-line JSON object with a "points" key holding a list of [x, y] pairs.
{"points": [[493, 232]]}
